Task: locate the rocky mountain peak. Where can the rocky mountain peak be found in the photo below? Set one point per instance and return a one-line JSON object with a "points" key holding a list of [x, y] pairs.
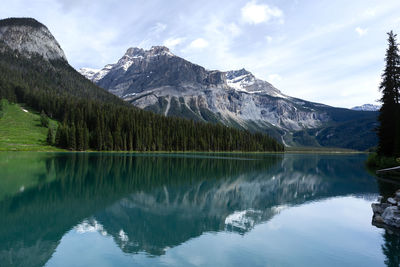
{"points": [[237, 73], [29, 37], [134, 51], [160, 50]]}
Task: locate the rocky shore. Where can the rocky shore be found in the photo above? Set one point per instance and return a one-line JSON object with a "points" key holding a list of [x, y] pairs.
{"points": [[387, 213]]}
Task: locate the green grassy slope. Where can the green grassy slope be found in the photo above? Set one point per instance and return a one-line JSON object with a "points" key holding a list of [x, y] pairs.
{"points": [[21, 131]]}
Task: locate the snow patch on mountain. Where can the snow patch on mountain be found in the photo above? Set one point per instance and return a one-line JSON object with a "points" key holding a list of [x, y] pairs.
{"points": [[88, 72], [244, 81], [367, 107], [100, 74], [131, 56]]}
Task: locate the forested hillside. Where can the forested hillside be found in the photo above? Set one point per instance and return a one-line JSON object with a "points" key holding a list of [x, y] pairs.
{"points": [[91, 118]]}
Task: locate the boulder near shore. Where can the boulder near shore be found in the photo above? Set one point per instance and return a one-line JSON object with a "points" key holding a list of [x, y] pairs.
{"points": [[387, 213]]}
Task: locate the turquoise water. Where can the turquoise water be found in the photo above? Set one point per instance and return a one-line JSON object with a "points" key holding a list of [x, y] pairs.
{"points": [[108, 209]]}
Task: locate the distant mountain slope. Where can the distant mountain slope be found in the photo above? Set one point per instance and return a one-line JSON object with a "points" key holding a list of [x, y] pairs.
{"points": [[367, 107], [159, 81]]}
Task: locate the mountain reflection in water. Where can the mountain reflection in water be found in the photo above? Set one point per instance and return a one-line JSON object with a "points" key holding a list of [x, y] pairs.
{"points": [[151, 202]]}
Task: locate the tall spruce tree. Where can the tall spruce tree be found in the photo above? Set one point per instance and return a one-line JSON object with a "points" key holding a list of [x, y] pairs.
{"points": [[389, 131]]}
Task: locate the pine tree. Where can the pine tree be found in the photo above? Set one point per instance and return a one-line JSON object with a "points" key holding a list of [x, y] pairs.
{"points": [[50, 136], [390, 86], [44, 120], [72, 137]]}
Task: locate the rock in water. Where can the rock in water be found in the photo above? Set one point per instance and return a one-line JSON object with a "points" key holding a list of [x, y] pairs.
{"points": [[391, 216], [376, 208], [386, 214], [392, 201], [397, 195], [379, 219]]}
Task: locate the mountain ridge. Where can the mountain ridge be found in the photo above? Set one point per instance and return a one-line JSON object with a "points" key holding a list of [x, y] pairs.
{"points": [[164, 83], [146, 76]]}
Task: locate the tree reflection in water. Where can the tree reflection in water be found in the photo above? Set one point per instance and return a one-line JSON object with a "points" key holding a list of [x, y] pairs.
{"points": [[147, 203]]}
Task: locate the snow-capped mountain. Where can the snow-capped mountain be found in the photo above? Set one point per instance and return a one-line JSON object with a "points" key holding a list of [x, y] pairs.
{"points": [[30, 37], [158, 80], [89, 72], [367, 107], [162, 82]]}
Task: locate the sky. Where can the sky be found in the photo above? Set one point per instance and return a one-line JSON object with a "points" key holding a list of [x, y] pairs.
{"points": [[330, 52]]}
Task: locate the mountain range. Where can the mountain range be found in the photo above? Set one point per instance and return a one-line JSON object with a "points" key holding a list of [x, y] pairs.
{"points": [[34, 72], [159, 81]]}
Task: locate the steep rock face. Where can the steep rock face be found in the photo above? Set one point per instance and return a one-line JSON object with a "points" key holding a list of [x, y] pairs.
{"points": [[29, 37], [159, 81]]}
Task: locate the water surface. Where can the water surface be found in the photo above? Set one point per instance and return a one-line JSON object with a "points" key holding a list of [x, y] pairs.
{"points": [[109, 209]]}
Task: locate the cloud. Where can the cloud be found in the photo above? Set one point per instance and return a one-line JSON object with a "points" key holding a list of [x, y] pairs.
{"points": [[198, 43], [274, 78], [361, 31], [158, 28], [234, 29], [172, 42], [254, 13], [307, 51], [370, 12]]}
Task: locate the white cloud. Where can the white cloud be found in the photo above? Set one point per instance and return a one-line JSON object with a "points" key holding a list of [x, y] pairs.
{"points": [[274, 78], [361, 31], [198, 43], [158, 28], [254, 13], [307, 52], [172, 42], [234, 29], [370, 12]]}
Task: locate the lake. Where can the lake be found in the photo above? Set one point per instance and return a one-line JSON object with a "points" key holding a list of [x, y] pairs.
{"points": [[121, 209]]}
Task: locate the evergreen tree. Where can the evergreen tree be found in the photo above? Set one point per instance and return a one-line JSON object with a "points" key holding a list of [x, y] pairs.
{"points": [[50, 136], [388, 131], [72, 137], [44, 120]]}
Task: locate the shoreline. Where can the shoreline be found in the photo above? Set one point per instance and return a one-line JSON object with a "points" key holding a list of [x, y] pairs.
{"points": [[336, 152]]}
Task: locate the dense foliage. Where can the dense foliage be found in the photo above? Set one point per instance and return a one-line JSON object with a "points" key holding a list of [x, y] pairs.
{"points": [[389, 114], [92, 118]]}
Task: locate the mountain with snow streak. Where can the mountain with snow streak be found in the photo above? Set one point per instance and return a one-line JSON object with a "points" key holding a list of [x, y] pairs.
{"points": [[245, 81], [162, 82], [367, 107], [89, 72]]}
